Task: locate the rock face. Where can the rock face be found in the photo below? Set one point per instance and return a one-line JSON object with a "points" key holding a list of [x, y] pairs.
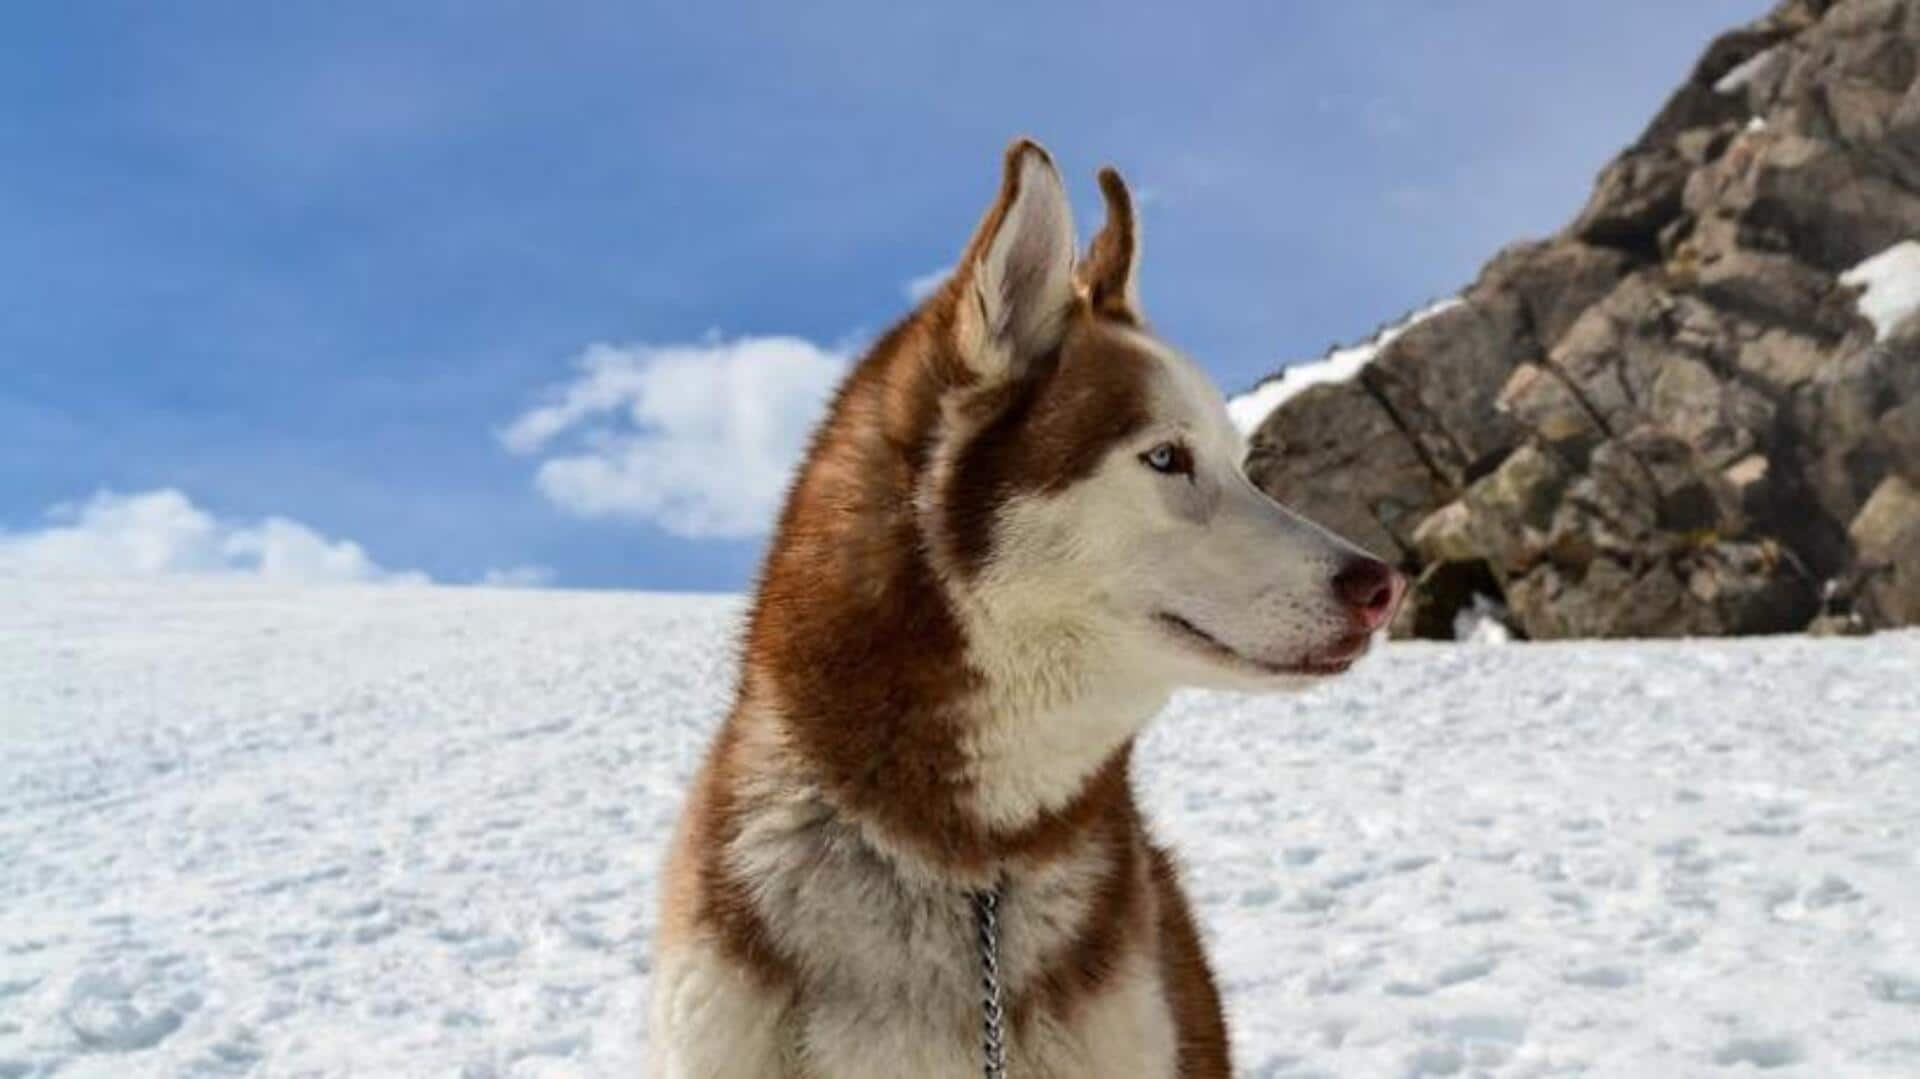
{"points": [[1672, 418]]}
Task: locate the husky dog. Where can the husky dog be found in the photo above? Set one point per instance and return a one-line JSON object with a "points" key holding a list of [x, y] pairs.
{"points": [[1022, 524]]}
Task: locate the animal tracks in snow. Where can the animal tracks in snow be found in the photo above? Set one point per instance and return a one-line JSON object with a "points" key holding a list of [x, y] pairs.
{"points": [[1762, 1053]]}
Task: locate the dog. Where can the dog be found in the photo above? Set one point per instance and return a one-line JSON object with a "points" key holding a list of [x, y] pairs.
{"points": [[1021, 525]]}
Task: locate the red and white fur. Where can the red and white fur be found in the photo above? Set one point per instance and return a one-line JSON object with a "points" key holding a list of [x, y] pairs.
{"points": [[1022, 525]]}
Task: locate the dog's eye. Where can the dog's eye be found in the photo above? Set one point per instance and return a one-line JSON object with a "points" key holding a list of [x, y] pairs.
{"points": [[1170, 458]]}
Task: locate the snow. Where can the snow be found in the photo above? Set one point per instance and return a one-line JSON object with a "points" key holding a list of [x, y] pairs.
{"points": [[1250, 409], [1736, 80], [1891, 284], [1484, 621], [256, 828]]}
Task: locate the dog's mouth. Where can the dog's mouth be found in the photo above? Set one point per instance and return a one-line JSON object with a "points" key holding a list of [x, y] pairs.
{"points": [[1335, 659]]}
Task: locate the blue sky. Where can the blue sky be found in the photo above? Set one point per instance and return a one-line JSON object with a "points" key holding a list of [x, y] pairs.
{"points": [[312, 262]]}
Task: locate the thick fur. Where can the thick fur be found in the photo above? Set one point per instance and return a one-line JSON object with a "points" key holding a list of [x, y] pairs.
{"points": [[983, 584]]}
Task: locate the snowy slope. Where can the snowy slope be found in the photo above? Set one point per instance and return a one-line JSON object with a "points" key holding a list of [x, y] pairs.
{"points": [[253, 829]]}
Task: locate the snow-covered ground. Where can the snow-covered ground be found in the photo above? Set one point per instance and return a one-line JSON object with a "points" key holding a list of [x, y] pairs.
{"points": [[257, 829]]}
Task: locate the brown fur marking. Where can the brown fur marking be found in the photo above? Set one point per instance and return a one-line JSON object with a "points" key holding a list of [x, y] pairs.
{"points": [[1197, 1015], [1120, 919], [1048, 431], [1109, 265], [704, 895]]}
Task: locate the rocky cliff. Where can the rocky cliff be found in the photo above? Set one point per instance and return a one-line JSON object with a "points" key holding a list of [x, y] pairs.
{"points": [[1696, 410]]}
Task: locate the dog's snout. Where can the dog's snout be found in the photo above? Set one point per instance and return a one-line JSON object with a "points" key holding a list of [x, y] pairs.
{"points": [[1371, 589]]}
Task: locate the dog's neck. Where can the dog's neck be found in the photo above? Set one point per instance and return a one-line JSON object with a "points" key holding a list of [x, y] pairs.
{"points": [[1013, 771], [1056, 703], [970, 738]]}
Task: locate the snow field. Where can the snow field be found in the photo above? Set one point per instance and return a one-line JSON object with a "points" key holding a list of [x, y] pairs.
{"points": [[252, 829]]}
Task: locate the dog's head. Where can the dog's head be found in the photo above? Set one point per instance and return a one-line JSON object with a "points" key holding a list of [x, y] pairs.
{"points": [[1088, 489]]}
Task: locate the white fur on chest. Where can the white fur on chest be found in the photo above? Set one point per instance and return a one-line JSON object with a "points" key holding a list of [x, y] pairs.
{"points": [[890, 959], [711, 1022]]}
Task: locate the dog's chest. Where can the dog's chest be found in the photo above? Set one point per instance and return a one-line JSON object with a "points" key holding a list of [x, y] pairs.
{"points": [[893, 968]]}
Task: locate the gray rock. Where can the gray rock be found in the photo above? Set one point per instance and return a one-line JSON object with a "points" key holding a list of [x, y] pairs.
{"points": [[1636, 196], [1440, 377], [1541, 399], [1335, 454], [1828, 205], [1670, 418], [1886, 535], [1749, 482], [1773, 289], [1900, 431], [1554, 281], [1502, 520], [1779, 362], [1720, 418]]}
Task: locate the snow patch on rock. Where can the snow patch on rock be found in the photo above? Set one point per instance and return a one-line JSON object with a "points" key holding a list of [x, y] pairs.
{"points": [[1736, 80], [1484, 621], [1890, 282], [1249, 410]]}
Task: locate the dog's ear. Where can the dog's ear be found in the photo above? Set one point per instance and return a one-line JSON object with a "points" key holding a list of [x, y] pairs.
{"points": [[1109, 276], [1017, 276]]}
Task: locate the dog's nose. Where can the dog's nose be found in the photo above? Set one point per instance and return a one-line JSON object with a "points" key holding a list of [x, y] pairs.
{"points": [[1371, 588]]}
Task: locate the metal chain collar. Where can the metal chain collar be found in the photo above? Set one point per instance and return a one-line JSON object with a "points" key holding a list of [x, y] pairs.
{"points": [[993, 1035]]}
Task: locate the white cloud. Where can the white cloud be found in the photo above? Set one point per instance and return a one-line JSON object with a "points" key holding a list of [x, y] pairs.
{"points": [[697, 438], [921, 287], [161, 532], [517, 577]]}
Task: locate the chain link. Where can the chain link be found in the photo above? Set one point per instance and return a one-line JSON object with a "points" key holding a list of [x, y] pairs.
{"points": [[986, 920]]}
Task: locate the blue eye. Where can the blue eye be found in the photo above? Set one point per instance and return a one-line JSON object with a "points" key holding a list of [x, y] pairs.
{"points": [[1170, 458]]}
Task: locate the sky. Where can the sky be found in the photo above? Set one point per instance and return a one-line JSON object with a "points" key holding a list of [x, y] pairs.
{"points": [[488, 292]]}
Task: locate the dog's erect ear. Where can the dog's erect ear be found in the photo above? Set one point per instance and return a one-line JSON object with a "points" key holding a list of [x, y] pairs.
{"points": [[1109, 274], [1017, 275]]}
